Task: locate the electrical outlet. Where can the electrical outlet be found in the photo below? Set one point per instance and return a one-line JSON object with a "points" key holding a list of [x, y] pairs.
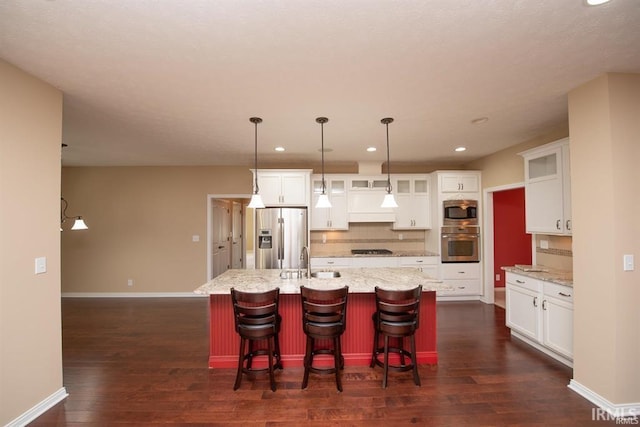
{"points": [[130, 282], [195, 238], [400, 236], [498, 277], [544, 244], [324, 238]]}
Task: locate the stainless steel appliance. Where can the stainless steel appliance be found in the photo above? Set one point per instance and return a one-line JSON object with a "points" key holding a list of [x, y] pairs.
{"points": [[281, 233], [460, 244], [460, 212]]}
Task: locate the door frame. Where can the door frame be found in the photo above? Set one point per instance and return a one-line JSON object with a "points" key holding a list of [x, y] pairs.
{"points": [[210, 198], [488, 241]]}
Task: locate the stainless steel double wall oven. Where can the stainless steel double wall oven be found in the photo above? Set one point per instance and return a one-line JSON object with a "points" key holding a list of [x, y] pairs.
{"points": [[460, 234]]}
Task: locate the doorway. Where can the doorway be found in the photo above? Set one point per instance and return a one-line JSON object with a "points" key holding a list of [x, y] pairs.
{"points": [[505, 242], [226, 225]]}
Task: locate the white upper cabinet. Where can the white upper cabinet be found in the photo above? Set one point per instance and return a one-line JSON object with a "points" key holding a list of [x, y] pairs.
{"points": [[459, 182], [335, 217], [548, 188], [365, 199], [284, 187], [412, 195]]}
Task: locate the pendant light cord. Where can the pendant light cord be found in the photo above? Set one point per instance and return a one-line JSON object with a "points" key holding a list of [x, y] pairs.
{"points": [[255, 121], [386, 122], [324, 186]]}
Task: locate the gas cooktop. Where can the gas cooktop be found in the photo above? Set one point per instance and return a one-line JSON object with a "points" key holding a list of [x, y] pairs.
{"points": [[371, 252]]}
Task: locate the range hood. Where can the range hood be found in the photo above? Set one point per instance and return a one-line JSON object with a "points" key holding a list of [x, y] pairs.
{"points": [[364, 203]]}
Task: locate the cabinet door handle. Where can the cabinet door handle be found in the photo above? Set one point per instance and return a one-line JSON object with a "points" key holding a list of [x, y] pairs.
{"points": [[460, 272], [568, 224], [544, 304], [519, 281], [558, 224], [330, 262], [419, 260], [562, 294], [535, 301]]}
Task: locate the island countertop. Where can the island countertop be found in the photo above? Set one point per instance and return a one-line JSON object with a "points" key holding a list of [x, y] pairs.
{"points": [[359, 280]]}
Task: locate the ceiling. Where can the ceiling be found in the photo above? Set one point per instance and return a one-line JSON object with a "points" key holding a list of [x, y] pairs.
{"points": [[175, 82]]}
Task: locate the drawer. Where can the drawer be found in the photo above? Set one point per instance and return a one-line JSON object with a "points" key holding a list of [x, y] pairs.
{"points": [[564, 293], [330, 262], [524, 281], [417, 261], [461, 271], [463, 287]]}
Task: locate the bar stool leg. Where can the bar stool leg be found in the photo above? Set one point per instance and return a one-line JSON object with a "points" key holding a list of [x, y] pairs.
{"points": [[416, 377], [386, 361], [308, 360], [337, 360], [271, 376], [374, 352], [240, 365], [276, 340]]}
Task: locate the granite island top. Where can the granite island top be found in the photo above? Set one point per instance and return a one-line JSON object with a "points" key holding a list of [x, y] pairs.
{"points": [[359, 280], [541, 272]]}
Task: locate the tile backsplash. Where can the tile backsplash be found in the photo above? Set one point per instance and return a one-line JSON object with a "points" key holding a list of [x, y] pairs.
{"points": [[373, 235], [556, 253]]}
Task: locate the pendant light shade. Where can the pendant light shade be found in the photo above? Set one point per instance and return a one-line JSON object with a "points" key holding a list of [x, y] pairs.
{"points": [[389, 201], [256, 200], [323, 199], [78, 224]]}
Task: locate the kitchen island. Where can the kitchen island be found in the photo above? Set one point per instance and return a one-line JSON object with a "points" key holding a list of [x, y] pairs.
{"points": [[357, 339]]}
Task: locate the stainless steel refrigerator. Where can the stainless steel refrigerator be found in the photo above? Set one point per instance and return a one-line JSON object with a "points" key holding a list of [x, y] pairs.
{"points": [[281, 233]]}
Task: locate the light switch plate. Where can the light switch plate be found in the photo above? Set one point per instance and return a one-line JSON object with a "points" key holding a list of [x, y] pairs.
{"points": [[628, 264], [544, 244], [41, 265]]}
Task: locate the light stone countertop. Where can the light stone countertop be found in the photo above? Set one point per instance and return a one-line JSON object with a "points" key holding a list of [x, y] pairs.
{"points": [[348, 254], [359, 280], [547, 274]]}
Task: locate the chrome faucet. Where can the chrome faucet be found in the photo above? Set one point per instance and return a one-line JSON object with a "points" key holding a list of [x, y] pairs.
{"points": [[305, 250]]}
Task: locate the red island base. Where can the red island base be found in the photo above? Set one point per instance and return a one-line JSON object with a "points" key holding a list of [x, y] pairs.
{"points": [[357, 341]]}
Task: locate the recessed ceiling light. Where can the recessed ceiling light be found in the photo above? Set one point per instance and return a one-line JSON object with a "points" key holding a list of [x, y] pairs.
{"points": [[459, 149], [479, 120], [597, 2], [371, 149], [279, 148]]}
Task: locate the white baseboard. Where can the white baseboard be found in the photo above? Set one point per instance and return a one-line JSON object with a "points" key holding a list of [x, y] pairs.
{"points": [[131, 295], [39, 409], [623, 410]]}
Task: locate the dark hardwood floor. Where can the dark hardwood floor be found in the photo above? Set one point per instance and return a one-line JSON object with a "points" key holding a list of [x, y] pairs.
{"points": [[143, 361]]}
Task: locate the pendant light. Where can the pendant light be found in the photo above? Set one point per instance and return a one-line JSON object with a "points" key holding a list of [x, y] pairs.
{"points": [[78, 224], [389, 201], [323, 199], [256, 200]]}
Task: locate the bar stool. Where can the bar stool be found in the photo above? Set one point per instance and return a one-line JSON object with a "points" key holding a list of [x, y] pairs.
{"points": [[257, 320], [397, 316], [324, 316]]}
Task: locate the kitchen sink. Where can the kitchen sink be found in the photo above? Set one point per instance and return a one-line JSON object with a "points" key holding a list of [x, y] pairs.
{"points": [[325, 274]]}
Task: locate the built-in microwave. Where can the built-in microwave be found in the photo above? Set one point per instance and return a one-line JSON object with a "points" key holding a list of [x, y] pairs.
{"points": [[460, 212]]}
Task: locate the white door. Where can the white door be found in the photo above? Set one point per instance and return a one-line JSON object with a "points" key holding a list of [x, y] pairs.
{"points": [[220, 239], [236, 235]]}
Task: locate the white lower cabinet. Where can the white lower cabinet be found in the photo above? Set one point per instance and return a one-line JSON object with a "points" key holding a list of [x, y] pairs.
{"points": [[541, 313], [464, 278]]}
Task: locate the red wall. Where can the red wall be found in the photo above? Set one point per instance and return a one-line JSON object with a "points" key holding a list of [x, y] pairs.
{"points": [[511, 244]]}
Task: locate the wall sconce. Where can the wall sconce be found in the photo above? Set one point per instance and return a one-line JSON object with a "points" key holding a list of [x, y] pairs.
{"points": [[78, 224]]}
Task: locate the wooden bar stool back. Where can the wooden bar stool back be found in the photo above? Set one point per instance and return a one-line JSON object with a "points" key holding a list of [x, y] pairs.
{"points": [[324, 316], [257, 321], [397, 316]]}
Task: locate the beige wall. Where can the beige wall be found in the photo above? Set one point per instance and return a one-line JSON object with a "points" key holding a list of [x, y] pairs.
{"points": [[506, 166], [605, 133], [30, 326], [141, 222]]}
